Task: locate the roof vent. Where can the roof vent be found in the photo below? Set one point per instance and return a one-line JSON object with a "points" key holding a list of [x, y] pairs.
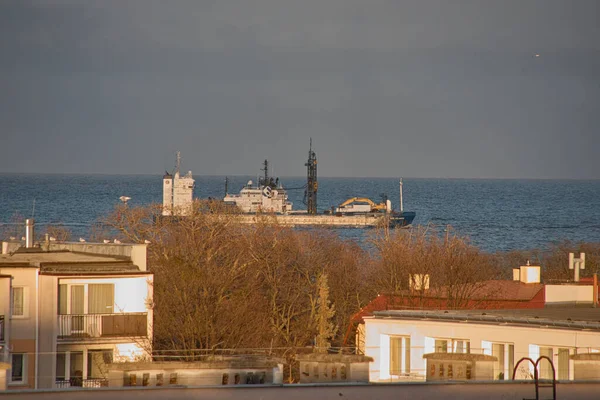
{"points": [[529, 274], [29, 232]]}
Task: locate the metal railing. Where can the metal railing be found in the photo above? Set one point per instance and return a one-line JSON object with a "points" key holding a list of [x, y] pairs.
{"points": [[77, 382], [87, 326]]}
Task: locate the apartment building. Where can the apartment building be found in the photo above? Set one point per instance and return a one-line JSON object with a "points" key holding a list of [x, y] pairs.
{"points": [[524, 319], [402, 342], [69, 309]]}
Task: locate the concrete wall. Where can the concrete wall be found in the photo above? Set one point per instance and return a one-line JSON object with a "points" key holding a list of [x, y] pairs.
{"points": [[190, 374], [4, 370], [523, 338], [5, 284], [23, 328], [135, 252], [323, 368], [464, 391], [569, 294], [48, 328], [587, 366]]}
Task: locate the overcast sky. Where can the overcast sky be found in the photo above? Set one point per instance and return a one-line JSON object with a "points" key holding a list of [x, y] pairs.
{"points": [[385, 88]]}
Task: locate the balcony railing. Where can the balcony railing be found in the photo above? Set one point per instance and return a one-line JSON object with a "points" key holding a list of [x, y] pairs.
{"points": [[87, 326], [1, 328], [79, 382]]}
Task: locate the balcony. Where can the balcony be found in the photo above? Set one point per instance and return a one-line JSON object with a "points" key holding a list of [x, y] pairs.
{"points": [[90, 326]]}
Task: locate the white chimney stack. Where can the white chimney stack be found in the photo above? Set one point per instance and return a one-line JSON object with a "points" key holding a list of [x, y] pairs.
{"points": [[29, 232], [576, 264]]}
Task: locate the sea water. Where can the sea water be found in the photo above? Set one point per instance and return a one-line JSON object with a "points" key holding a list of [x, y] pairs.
{"points": [[497, 215]]}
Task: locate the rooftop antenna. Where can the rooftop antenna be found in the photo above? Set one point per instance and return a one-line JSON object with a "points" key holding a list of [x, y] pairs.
{"points": [[33, 209]]}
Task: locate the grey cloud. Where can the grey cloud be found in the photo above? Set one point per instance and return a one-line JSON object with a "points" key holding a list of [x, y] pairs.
{"points": [[419, 88]]}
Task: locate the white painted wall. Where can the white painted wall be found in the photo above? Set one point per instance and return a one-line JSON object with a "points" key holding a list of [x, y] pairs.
{"points": [[422, 333], [569, 293]]}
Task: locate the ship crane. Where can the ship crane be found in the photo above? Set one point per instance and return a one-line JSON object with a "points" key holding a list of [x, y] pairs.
{"points": [[370, 206]]}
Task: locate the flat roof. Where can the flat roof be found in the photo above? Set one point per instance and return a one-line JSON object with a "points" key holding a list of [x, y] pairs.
{"points": [[570, 318], [37, 258], [57, 262]]}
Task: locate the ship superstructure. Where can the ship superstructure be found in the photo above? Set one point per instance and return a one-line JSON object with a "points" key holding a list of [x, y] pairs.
{"points": [[267, 196], [268, 199], [177, 192]]}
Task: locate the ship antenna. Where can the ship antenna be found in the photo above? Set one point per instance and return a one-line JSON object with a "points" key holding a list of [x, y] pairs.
{"points": [[310, 194], [266, 170], [401, 204]]}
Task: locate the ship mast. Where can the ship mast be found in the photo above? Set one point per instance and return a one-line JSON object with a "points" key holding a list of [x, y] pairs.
{"points": [[401, 203], [178, 165], [311, 182], [266, 170]]}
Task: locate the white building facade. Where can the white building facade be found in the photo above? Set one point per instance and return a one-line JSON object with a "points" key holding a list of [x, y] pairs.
{"points": [[73, 308], [397, 340]]}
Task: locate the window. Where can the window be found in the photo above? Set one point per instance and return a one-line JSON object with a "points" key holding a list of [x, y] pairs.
{"points": [[79, 299], [76, 368], [97, 367], [399, 355], [544, 366], [461, 346], [505, 358], [101, 298], [19, 308], [563, 364], [452, 345], [441, 346], [60, 366], [18, 368], [498, 352]]}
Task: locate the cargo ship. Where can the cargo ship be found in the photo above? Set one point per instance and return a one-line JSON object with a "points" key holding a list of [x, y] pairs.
{"points": [[267, 200]]}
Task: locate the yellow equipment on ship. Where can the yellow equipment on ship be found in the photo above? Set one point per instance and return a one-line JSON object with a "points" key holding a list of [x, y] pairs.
{"points": [[362, 205]]}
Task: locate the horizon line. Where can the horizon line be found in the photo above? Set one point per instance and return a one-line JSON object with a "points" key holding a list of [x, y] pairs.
{"points": [[302, 176]]}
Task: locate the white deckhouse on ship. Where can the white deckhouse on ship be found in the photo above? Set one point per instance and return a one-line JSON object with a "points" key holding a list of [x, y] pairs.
{"points": [[267, 196], [177, 192]]}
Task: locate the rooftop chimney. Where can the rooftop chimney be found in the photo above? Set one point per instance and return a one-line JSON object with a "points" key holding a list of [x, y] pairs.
{"points": [[29, 232], [516, 274], [528, 273], [576, 264]]}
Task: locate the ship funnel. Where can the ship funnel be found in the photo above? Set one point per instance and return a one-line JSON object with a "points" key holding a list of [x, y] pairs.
{"points": [[29, 232]]}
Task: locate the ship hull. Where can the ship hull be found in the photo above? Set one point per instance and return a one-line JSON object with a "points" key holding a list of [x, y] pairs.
{"points": [[368, 220]]}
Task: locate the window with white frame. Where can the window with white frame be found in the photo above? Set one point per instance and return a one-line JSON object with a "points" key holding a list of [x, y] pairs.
{"points": [[86, 298], [563, 371], [18, 368], [560, 356], [19, 300], [505, 358], [451, 345], [399, 355], [545, 369]]}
